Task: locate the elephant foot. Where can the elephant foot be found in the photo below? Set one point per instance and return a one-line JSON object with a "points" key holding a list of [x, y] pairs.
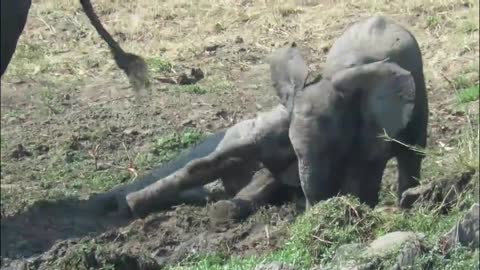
{"points": [[230, 210]]}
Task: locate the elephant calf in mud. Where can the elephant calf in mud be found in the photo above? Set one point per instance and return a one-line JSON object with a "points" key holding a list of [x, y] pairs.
{"points": [[372, 84], [254, 160]]}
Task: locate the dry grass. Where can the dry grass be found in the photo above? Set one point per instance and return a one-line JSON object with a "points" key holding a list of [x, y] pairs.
{"points": [[179, 30]]}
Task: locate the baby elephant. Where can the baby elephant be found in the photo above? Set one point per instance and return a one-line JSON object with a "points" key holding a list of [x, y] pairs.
{"points": [[372, 84], [254, 160]]}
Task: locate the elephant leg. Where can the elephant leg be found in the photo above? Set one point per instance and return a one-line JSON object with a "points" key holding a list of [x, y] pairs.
{"points": [[257, 193], [13, 20], [409, 165], [363, 179], [409, 162], [239, 175], [315, 173], [314, 165], [197, 172], [350, 182], [371, 181]]}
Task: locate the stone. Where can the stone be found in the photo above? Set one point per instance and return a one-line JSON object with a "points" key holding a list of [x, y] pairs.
{"points": [[275, 266], [17, 265], [346, 253], [391, 242], [466, 231], [354, 256], [406, 258]]}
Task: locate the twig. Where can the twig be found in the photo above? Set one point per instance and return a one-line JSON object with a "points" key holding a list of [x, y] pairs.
{"points": [[322, 240], [387, 138], [94, 153], [351, 206], [450, 82], [51, 28], [131, 166], [267, 234]]}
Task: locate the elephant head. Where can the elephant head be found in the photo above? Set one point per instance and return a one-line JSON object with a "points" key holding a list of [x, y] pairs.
{"points": [[350, 108], [389, 91], [288, 72]]}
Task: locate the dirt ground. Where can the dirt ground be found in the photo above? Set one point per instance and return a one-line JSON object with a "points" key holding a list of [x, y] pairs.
{"points": [[71, 126]]}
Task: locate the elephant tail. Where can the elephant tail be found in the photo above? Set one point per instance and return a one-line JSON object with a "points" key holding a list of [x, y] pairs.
{"points": [[133, 65], [92, 16]]}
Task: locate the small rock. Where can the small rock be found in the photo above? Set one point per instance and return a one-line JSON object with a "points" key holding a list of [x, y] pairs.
{"points": [[466, 231], [407, 256], [197, 73], [17, 265], [346, 253], [275, 266], [42, 149], [212, 48], [391, 242], [131, 131], [238, 40], [20, 152]]}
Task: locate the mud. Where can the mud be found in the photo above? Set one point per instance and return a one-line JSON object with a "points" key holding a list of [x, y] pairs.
{"points": [[51, 233]]}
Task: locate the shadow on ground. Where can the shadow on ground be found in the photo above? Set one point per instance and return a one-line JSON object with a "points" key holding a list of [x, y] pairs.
{"points": [[38, 228]]}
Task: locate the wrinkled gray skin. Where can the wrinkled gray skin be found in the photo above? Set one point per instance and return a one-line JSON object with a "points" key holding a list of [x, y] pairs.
{"points": [[254, 160], [14, 15], [115, 198], [372, 82]]}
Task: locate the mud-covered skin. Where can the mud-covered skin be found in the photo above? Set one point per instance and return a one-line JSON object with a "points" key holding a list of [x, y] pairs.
{"points": [[13, 20], [372, 82], [114, 200], [247, 147]]}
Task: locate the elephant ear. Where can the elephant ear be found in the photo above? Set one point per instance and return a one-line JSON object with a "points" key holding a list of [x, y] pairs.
{"points": [[389, 89], [288, 73]]}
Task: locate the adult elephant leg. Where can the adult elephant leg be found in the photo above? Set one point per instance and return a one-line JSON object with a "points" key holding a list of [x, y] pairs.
{"points": [[256, 194], [409, 162], [196, 173], [409, 165], [14, 15]]}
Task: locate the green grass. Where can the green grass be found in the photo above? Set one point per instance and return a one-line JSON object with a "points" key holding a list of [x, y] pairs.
{"points": [[29, 58], [191, 88], [169, 146], [433, 21], [71, 170], [469, 94], [159, 65], [316, 236]]}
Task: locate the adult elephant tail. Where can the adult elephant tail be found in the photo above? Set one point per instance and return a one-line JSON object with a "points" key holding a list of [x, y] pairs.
{"points": [[133, 65]]}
